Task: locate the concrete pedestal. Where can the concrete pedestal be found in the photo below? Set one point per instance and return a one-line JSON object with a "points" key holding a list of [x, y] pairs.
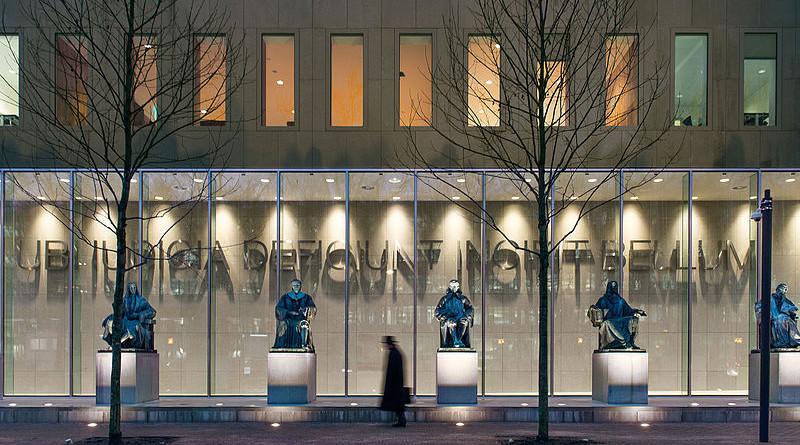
{"points": [[784, 376], [138, 377], [620, 377], [457, 377], [291, 377]]}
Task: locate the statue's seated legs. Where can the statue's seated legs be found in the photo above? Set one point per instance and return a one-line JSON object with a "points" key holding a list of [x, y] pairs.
{"points": [[619, 333], [784, 333], [454, 333]]}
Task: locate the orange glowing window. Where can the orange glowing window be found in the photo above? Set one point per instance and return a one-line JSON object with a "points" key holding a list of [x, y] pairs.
{"points": [[145, 80], [72, 69], [415, 80], [555, 106], [622, 79], [483, 95], [209, 80], [347, 80], [278, 69]]}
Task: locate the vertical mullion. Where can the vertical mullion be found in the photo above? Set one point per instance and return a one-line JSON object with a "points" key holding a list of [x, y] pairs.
{"points": [[689, 280], [71, 262], [483, 285], [2, 282], [141, 259], [620, 230], [346, 283], [210, 291], [416, 244], [553, 288], [277, 264]]}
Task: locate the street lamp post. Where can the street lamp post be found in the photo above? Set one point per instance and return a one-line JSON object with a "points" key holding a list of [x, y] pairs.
{"points": [[764, 214]]}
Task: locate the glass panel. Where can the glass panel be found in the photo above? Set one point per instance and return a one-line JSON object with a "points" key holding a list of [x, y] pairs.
{"points": [[95, 212], [209, 80], [622, 80], [9, 80], [760, 74], [313, 222], [145, 80], [177, 233], [512, 292], [278, 74], [347, 80], [72, 70], [691, 79], [483, 86], [655, 233], [244, 221], [415, 80], [36, 284], [725, 249], [381, 214], [555, 105], [447, 232], [587, 220]]}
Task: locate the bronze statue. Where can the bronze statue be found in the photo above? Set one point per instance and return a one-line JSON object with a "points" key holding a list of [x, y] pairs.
{"points": [[617, 320], [138, 318], [455, 314], [294, 312], [783, 314]]}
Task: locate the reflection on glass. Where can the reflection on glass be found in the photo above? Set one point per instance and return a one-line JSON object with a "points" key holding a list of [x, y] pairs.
{"points": [[622, 80], [36, 287], [583, 264], [177, 243], [415, 80], [760, 72], [313, 250], [655, 240], [691, 79], [209, 80], [347, 80], [483, 81], [9, 80], [145, 81], [71, 73], [243, 217], [382, 302], [278, 75], [448, 236]]}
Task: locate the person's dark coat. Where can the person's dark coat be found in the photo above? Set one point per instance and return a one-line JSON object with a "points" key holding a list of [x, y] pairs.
{"points": [[393, 394]]}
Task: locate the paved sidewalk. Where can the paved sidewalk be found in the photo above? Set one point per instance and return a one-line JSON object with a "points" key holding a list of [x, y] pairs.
{"points": [[427, 433]]}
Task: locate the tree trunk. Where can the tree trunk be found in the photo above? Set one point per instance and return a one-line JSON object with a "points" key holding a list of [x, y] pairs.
{"points": [[544, 267], [114, 427]]}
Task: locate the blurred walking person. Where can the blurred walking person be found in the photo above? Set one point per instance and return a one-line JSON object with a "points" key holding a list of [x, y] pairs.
{"points": [[395, 395]]}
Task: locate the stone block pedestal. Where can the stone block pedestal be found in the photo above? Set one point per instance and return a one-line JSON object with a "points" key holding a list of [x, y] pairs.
{"points": [[457, 377], [291, 378], [620, 377], [784, 376], [138, 377]]}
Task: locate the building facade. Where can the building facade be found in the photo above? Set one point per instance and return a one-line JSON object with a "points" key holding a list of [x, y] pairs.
{"points": [[312, 191]]}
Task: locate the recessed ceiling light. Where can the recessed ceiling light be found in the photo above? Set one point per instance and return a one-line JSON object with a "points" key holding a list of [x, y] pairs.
{"points": [[219, 198], [480, 111], [694, 198], [64, 180], [489, 82], [592, 180], [634, 198], [395, 198], [456, 198], [265, 180], [395, 180], [462, 180], [134, 180], [695, 404], [279, 82], [573, 198], [515, 198], [528, 179], [497, 45], [330, 180], [790, 180], [658, 180], [523, 404], [292, 111], [219, 404], [48, 404], [99, 198], [203, 111], [753, 197], [731, 404], [762, 71], [337, 198], [724, 179], [158, 198], [353, 404], [41, 198], [198, 180]]}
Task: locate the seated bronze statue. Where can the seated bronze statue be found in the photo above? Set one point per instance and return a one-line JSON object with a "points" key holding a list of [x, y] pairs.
{"points": [[294, 312], [138, 318], [455, 314], [783, 316], [617, 320]]}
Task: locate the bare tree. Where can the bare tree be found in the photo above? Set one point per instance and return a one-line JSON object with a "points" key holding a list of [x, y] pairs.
{"points": [[539, 90], [114, 86]]}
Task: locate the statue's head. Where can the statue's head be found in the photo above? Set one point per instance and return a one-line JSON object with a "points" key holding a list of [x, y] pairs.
{"points": [[132, 289], [782, 289], [454, 285], [612, 287], [296, 285]]}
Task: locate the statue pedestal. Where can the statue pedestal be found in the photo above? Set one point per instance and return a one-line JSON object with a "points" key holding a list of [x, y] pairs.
{"points": [[620, 377], [291, 377], [784, 376], [138, 380], [457, 376]]}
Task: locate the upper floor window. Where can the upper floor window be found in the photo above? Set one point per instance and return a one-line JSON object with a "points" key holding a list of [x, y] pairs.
{"points": [[691, 79], [9, 80], [145, 80], [415, 80], [483, 83], [347, 80], [622, 80], [209, 80], [278, 75], [760, 74], [71, 76]]}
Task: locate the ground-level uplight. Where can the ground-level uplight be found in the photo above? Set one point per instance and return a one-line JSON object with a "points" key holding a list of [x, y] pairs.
{"points": [[91, 424], [276, 424], [644, 425], [459, 423]]}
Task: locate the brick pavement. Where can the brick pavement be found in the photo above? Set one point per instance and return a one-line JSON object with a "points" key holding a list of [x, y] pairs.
{"points": [[428, 433]]}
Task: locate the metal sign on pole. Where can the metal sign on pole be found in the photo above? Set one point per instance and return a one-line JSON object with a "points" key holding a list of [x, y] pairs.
{"points": [[764, 214]]}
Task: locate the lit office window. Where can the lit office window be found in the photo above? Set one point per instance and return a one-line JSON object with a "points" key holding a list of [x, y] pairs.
{"points": [[483, 95], [622, 79], [760, 69], [72, 103], [278, 72], [555, 105], [145, 80], [691, 80], [209, 80], [415, 80], [9, 80], [347, 80]]}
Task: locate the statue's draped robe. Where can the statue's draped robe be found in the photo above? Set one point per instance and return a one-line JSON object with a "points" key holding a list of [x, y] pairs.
{"points": [[620, 324], [291, 326], [454, 313], [135, 310], [784, 332]]}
